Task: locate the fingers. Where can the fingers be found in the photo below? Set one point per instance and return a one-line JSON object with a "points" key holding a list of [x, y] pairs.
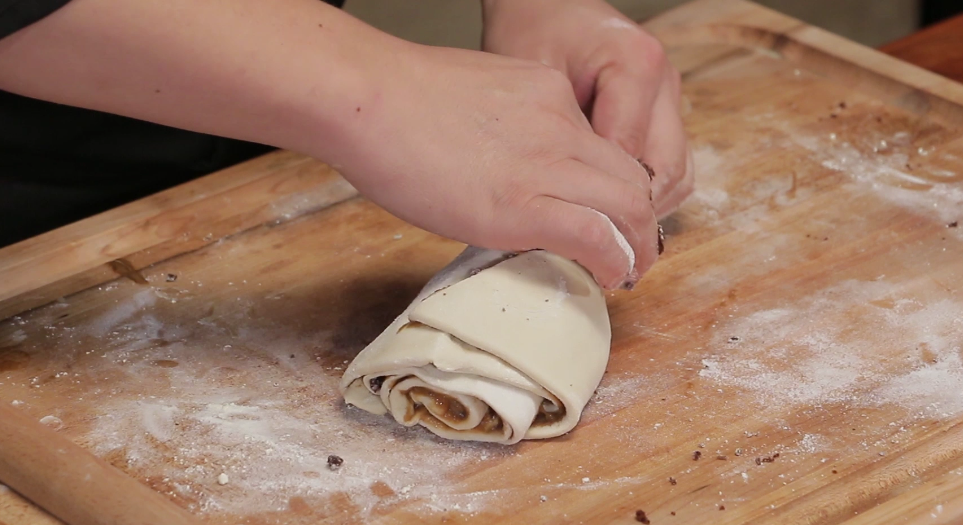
{"points": [[667, 151], [625, 203], [607, 157], [671, 201], [574, 232], [623, 102], [640, 113]]}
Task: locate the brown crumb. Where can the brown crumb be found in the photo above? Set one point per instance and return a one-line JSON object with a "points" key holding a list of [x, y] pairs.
{"points": [[835, 471], [672, 481], [696, 455], [171, 277], [767, 459], [672, 513], [335, 462], [641, 517], [953, 224], [722, 457], [842, 105], [722, 507]]}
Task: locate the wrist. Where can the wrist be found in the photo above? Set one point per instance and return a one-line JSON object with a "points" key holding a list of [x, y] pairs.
{"points": [[339, 103]]}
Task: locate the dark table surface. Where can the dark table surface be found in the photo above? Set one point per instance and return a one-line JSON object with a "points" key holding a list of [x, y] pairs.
{"points": [[938, 48]]}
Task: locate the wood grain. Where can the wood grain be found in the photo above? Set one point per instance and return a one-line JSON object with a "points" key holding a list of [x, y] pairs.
{"points": [[277, 186], [801, 331]]}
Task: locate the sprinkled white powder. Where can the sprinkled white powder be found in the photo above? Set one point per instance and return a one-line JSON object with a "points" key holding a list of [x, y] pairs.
{"points": [[805, 353]]}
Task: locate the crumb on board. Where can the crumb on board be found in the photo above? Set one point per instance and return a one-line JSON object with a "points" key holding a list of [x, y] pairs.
{"points": [[722, 507], [738, 452], [767, 459], [223, 479], [672, 481], [335, 462], [696, 455], [722, 457], [171, 277], [52, 422], [641, 517], [953, 224]]}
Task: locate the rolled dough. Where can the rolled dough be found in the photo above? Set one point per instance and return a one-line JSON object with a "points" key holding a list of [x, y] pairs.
{"points": [[494, 348]]}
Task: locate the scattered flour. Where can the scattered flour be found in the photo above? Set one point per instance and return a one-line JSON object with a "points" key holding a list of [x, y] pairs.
{"points": [[276, 448], [805, 352]]}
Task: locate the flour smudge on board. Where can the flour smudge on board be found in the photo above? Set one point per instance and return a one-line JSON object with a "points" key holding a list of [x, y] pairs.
{"points": [[805, 351]]}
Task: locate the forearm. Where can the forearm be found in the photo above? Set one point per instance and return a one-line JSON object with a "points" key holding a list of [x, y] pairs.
{"points": [[289, 73]]}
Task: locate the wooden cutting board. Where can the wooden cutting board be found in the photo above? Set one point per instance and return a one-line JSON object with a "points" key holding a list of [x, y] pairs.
{"points": [[796, 356]]}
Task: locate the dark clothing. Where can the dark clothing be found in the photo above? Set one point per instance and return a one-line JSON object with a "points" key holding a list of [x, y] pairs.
{"points": [[59, 164]]}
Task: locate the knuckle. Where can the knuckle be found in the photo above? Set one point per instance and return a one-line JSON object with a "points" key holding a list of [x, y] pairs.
{"points": [[651, 50]]}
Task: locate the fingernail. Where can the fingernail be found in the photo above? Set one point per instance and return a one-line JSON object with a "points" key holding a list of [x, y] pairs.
{"points": [[661, 240], [630, 280]]}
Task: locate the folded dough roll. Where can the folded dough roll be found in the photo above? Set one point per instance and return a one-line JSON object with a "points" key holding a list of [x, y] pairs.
{"points": [[494, 348]]}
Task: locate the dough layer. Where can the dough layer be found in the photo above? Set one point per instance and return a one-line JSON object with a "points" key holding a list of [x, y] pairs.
{"points": [[494, 348]]}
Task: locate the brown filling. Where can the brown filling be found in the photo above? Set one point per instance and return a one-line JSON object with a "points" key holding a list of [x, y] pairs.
{"points": [[409, 324], [453, 411], [548, 413], [450, 408]]}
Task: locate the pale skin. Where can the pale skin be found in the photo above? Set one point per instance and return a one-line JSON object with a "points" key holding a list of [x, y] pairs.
{"points": [[514, 149]]}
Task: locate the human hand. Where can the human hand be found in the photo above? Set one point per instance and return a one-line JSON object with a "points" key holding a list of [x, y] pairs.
{"points": [[495, 152], [619, 73]]}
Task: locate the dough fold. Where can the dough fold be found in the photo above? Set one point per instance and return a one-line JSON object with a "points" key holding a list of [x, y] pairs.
{"points": [[494, 348]]}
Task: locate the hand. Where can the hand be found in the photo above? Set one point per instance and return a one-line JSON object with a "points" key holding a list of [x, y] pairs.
{"points": [[620, 77], [489, 150], [495, 152]]}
